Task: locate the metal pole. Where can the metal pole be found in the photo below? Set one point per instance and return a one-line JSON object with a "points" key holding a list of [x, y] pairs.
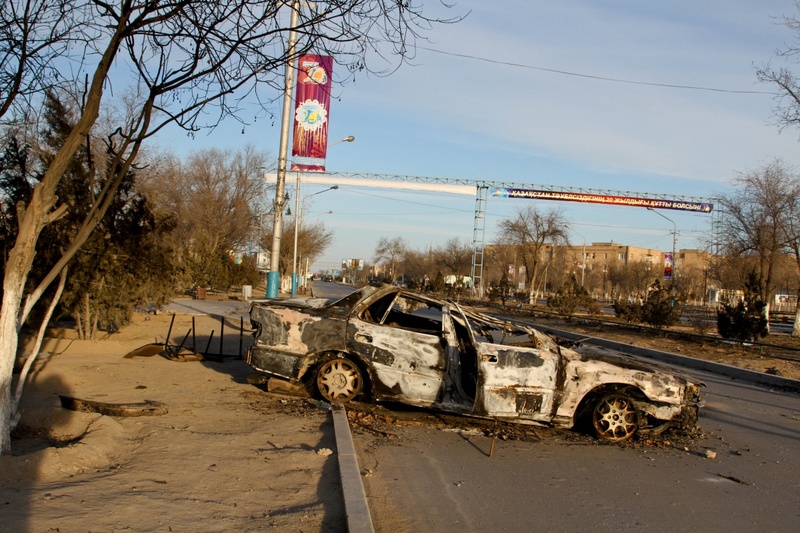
{"points": [[273, 278], [674, 258], [583, 261], [583, 267], [674, 241], [296, 219]]}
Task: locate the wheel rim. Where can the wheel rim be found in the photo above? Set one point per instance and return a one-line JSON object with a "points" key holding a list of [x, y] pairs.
{"points": [[339, 381], [615, 418]]}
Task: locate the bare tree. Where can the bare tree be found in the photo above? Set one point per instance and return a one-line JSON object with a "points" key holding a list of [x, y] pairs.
{"points": [[211, 199], [631, 281], [390, 252], [529, 233], [419, 266], [191, 63], [786, 111], [755, 221], [34, 34], [312, 241], [792, 229], [456, 256]]}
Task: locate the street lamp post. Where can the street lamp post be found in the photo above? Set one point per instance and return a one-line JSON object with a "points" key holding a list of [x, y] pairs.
{"points": [[297, 216], [674, 240], [674, 258], [583, 261], [348, 139]]}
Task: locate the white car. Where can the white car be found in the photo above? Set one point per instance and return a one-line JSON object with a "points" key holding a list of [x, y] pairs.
{"points": [[393, 344]]}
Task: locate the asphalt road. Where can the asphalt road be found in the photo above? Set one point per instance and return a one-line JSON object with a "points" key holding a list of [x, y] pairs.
{"points": [[447, 481], [744, 475]]}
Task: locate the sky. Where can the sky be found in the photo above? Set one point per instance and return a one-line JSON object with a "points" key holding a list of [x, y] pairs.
{"points": [[622, 95]]}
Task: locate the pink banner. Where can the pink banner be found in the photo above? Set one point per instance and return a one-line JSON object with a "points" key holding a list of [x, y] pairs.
{"points": [[668, 265], [312, 101]]}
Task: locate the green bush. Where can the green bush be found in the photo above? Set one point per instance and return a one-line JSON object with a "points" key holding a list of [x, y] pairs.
{"points": [[571, 297], [628, 311], [747, 319], [660, 310]]}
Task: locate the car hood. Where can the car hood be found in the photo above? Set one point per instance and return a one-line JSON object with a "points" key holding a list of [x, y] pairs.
{"points": [[335, 305], [578, 353], [585, 353]]}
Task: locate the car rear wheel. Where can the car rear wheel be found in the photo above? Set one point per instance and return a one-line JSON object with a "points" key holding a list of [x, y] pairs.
{"points": [[614, 417], [339, 380]]}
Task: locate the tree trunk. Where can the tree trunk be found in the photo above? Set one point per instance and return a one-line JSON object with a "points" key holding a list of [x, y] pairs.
{"points": [[87, 318], [12, 296], [796, 327], [18, 266], [532, 290], [35, 351], [767, 314]]}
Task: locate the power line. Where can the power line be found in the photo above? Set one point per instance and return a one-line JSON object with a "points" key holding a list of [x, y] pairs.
{"points": [[594, 77]]}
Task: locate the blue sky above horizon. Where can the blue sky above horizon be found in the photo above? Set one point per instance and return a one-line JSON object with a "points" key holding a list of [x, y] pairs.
{"points": [[515, 94]]}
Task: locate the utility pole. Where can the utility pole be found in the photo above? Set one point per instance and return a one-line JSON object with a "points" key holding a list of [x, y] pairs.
{"points": [[674, 257], [274, 276]]}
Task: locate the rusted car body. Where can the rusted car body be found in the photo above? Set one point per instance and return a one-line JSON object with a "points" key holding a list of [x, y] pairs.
{"points": [[393, 344]]}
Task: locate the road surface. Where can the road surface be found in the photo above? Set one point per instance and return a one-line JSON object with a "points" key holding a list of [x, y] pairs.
{"points": [[743, 476]]}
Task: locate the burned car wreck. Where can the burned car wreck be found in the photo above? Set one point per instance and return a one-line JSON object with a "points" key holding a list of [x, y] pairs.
{"points": [[393, 344]]}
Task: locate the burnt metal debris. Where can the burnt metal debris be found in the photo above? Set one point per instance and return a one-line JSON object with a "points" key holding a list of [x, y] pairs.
{"points": [[394, 344]]}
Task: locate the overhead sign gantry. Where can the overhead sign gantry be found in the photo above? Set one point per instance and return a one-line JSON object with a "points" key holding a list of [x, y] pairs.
{"points": [[484, 189]]}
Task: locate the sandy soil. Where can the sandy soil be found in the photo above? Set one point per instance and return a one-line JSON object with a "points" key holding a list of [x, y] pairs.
{"points": [[226, 457]]}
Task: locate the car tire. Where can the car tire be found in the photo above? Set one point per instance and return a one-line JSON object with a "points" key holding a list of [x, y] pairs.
{"points": [[339, 380], [615, 417]]}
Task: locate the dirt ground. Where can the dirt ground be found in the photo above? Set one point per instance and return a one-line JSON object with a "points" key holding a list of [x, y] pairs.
{"points": [[226, 456]]}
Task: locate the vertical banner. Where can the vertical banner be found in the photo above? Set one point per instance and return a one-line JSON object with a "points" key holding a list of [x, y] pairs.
{"points": [[312, 102], [667, 266]]}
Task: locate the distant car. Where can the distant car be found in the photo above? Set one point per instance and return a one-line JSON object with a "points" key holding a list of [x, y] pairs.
{"points": [[393, 344], [327, 278]]}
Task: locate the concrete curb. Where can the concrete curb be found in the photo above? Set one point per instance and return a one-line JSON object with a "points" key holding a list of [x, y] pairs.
{"points": [[359, 519], [750, 376]]}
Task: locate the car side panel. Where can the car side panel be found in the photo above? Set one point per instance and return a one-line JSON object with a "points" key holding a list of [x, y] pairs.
{"points": [[288, 340], [516, 382], [405, 365], [584, 373]]}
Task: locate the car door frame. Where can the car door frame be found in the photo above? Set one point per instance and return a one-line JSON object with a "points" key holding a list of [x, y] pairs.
{"points": [[515, 381], [404, 365]]}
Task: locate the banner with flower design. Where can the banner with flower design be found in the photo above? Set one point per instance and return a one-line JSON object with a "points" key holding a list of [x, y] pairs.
{"points": [[311, 113]]}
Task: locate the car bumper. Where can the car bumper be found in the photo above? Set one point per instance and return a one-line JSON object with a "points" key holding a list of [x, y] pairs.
{"points": [[275, 363]]}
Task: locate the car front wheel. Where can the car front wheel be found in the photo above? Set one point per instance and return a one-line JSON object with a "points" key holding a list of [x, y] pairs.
{"points": [[614, 417], [339, 380]]}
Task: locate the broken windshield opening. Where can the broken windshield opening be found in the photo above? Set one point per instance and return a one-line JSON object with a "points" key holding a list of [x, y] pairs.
{"points": [[400, 311]]}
